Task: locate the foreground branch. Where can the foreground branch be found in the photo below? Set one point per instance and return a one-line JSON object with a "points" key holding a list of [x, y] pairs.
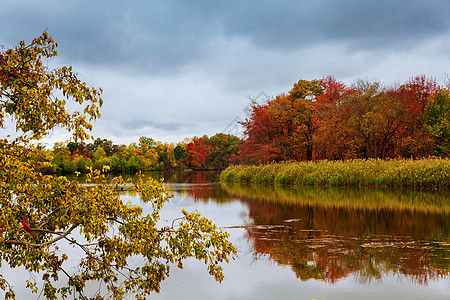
{"points": [[62, 235]]}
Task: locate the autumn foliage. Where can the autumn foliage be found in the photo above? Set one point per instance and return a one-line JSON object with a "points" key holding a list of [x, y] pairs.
{"points": [[45, 219], [327, 119], [196, 153]]}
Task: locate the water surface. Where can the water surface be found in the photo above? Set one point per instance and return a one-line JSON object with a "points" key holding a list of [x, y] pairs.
{"points": [[309, 243]]}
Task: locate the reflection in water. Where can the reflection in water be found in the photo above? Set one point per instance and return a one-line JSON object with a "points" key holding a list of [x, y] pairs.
{"points": [[326, 240], [314, 254], [200, 186], [354, 197], [329, 234], [365, 233]]}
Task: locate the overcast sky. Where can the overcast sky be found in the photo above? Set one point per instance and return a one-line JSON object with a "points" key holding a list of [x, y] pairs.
{"points": [[174, 69]]}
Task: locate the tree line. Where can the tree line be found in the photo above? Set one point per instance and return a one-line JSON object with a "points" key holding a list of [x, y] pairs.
{"points": [[327, 119], [317, 119], [197, 153]]}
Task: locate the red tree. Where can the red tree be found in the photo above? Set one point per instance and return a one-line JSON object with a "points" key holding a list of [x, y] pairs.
{"points": [[197, 152]]}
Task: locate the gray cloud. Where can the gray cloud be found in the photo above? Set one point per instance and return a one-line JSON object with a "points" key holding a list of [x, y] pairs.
{"points": [[138, 125], [162, 36], [172, 69], [300, 23]]}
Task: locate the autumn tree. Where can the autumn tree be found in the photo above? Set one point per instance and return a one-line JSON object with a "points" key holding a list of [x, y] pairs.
{"points": [[224, 148], [40, 212], [437, 119], [282, 128], [376, 117], [416, 141], [259, 135], [325, 119], [146, 143], [197, 152], [304, 94], [106, 145], [333, 139]]}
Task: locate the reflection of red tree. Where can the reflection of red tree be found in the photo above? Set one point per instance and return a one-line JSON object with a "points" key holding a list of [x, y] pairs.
{"points": [[201, 191], [417, 265], [194, 177], [332, 268]]}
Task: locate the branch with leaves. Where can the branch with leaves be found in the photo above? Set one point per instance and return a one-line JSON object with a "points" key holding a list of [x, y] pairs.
{"points": [[39, 213]]}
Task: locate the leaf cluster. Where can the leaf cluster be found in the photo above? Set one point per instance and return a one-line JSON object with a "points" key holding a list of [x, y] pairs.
{"points": [[35, 97]]}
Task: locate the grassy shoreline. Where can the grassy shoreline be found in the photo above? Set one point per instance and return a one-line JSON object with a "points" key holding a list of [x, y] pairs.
{"points": [[430, 173]]}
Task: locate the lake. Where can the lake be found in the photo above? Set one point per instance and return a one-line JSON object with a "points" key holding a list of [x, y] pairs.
{"points": [[309, 243]]}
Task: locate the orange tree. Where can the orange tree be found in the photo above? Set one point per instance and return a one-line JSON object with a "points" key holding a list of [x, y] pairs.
{"points": [[39, 212], [282, 128]]}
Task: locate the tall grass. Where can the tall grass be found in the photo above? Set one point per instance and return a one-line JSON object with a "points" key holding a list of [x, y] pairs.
{"points": [[431, 173]]}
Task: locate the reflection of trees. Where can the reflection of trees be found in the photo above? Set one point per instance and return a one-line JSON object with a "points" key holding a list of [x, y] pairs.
{"points": [[328, 234], [347, 197], [333, 241], [198, 185], [196, 177], [350, 221], [314, 254]]}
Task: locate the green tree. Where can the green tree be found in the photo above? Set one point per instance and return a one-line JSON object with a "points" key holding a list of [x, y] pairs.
{"points": [[105, 144], [72, 146], [146, 143], [225, 147], [437, 119], [99, 153], [39, 212], [61, 159]]}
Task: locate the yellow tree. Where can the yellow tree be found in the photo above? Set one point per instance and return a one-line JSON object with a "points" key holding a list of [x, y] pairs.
{"points": [[38, 213]]}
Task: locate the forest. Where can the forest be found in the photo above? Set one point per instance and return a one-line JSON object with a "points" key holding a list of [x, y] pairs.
{"points": [[327, 119], [316, 120]]}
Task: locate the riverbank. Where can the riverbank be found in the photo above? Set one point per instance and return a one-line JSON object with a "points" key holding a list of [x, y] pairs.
{"points": [[431, 173]]}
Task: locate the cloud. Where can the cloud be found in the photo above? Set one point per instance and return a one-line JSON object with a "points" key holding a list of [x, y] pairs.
{"points": [[163, 36], [290, 25], [172, 69], [138, 125]]}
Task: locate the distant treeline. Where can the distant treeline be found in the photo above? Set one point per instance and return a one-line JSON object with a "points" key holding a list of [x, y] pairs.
{"points": [[197, 153]]}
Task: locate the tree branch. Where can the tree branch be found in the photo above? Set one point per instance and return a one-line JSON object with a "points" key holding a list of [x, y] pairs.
{"points": [[62, 235]]}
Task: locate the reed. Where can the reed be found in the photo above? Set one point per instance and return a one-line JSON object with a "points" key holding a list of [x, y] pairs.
{"points": [[430, 173]]}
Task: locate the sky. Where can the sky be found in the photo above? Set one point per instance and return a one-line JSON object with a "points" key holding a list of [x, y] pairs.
{"points": [[172, 69]]}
